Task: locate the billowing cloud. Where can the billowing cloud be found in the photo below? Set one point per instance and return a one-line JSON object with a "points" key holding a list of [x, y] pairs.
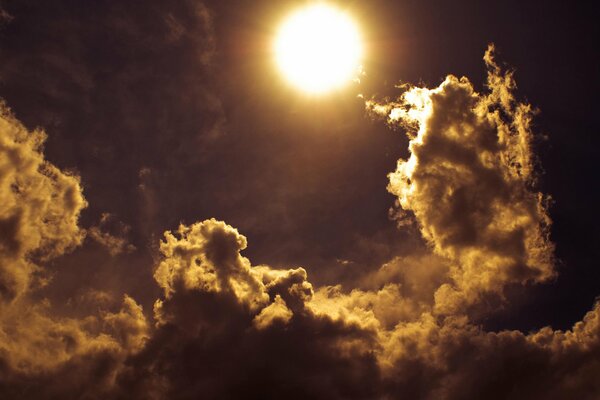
{"points": [[45, 356], [39, 206], [468, 183], [455, 360], [227, 329], [222, 327], [216, 342], [39, 211]]}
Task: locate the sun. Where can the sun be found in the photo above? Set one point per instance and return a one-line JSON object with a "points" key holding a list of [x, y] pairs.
{"points": [[318, 49]]}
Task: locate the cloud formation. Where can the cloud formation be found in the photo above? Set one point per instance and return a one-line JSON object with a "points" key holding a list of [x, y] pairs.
{"points": [[468, 183], [39, 211], [225, 328], [276, 338], [39, 207]]}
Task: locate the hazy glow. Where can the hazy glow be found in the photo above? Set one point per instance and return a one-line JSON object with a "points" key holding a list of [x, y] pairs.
{"points": [[318, 49]]}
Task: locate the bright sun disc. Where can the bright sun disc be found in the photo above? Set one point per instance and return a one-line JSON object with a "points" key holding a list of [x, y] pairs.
{"points": [[318, 49]]}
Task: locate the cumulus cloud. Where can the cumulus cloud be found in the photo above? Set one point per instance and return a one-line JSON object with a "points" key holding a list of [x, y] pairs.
{"points": [[39, 212], [454, 360], [242, 330], [212, 341], [39, 206], [205, 257], [225, 328], [44, 356], [468, 183]]}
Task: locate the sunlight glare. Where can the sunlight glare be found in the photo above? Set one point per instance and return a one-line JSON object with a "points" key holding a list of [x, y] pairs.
{"points": [[318, 49]]}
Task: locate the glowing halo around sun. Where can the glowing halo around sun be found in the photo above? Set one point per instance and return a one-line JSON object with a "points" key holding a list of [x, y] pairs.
{"points": [[318, 49]]}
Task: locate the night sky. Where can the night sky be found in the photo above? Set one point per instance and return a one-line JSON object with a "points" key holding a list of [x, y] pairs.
{"points": [[446, 254]]}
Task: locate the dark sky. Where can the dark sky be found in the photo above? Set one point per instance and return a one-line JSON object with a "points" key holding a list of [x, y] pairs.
{"points": [[173, 112]]}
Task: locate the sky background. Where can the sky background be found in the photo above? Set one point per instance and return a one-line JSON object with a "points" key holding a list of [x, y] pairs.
{"points": [[173, 112]]}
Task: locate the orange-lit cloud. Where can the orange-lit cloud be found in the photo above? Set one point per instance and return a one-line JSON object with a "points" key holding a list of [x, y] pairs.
{"points": [[222, 327], [467, 182], [39, 207], [39, 211]]}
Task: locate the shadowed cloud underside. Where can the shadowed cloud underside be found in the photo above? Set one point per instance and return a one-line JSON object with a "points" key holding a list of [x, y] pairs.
{"points": [[223, 327]]}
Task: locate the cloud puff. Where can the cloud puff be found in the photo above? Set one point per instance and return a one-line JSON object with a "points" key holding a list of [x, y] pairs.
{"points": [[112, 234], [468, 183], [44, 356], [39, 206], [39, 212], [272, 313], [205, 257], [227, 329]]}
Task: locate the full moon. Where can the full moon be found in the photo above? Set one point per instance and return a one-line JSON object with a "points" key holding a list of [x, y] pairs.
{"points": [[318, 49]]}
